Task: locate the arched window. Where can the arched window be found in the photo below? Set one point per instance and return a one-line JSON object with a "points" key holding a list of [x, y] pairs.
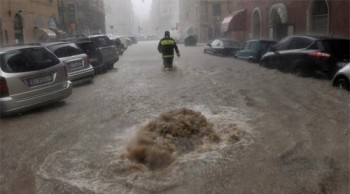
{"points": [[256, 24], [318, 17], [18, 28]]}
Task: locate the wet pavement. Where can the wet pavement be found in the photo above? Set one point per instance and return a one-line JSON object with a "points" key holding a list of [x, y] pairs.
{"points": [[293, 132]]}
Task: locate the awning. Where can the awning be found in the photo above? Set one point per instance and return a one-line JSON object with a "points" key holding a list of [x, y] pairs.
{"points": [[44, 34], [234, 21]]}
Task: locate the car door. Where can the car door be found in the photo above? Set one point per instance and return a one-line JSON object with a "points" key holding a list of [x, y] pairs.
{"points": [[264, 47], [244, 53], [295, 56], [277, 57]]}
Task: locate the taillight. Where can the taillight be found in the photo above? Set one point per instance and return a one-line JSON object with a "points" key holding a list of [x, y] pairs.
{"points": [[65, 72], [4, 91], [89, 60], [319, 55]]}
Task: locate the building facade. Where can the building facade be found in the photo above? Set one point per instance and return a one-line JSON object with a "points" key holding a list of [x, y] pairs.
{"points": [[268, 19], [27, 21], [165, 15], [124, 23], [202, 18], [275, 19], [82, 16]]}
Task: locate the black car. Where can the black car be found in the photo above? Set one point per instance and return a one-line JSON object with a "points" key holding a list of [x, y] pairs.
{"points": [[253, 50], [101, 51], [222, 46], [118, 43], [108, 52], [305, 55]]}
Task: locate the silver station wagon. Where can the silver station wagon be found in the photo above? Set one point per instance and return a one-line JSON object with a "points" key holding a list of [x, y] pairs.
{"points": [[78, 66], [31, 76]]}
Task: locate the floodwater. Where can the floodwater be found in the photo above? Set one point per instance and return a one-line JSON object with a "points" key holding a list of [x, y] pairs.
{"points": [[276, 133], [160, 168]]}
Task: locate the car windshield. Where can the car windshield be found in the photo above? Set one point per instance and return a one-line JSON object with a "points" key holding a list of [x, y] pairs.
{"points": [[175, 97], [29, 59]]}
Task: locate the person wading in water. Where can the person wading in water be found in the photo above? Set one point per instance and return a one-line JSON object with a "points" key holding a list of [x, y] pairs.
{"points": [[166, 46]]}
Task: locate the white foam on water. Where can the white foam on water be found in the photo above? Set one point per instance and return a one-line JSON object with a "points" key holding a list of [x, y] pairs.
{"points": [[119, 175]]}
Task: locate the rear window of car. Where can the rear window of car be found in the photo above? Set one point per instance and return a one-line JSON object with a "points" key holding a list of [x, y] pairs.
{"points": [[28, 59], [101, 41], [338, 47], [65, 50]]}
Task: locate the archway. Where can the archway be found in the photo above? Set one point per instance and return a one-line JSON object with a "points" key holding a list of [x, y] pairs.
{"points": [[278, 19], [256, 23], [18, 28], [318, 17]]}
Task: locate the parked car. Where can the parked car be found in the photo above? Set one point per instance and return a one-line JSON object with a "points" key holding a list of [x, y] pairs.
{"points": [[305, 55], [100, 50], [31, 76], [117, 42], [190, 40], [253, 50], [342, 78], [77, 63], [133, 39], [128, 41], [108, 52], [124, 42], [222, 46]]}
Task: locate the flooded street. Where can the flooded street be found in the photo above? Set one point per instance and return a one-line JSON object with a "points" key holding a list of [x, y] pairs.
{"points": [[277, 133]]}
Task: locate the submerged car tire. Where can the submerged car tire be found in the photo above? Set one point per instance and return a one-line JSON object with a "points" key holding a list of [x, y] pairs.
{"points": [[342, 83], [264, 64]]}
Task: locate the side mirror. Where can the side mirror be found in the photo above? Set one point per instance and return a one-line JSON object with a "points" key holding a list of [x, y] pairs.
{"points": [[209, 45]]}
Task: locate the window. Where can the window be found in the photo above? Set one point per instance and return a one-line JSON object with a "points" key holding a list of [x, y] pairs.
{"points": [[299, 43], [246, 46], [217, 9], [215, 43], [65, 51], [282, 44], [101, 41], [24, 60], [254, 45], [319, 17]]}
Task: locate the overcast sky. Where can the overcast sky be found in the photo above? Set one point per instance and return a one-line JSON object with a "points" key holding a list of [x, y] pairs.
{"points": [[142, 8]]}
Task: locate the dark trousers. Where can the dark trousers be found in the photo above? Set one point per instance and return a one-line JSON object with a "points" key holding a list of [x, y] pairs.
{"points": [[168, 62]]}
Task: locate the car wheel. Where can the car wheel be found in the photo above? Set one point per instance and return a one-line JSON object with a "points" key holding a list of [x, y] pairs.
{"points": [[342, 83]]}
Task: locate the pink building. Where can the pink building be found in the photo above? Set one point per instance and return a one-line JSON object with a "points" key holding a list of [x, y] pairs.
{"points": [[275, 19]]}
